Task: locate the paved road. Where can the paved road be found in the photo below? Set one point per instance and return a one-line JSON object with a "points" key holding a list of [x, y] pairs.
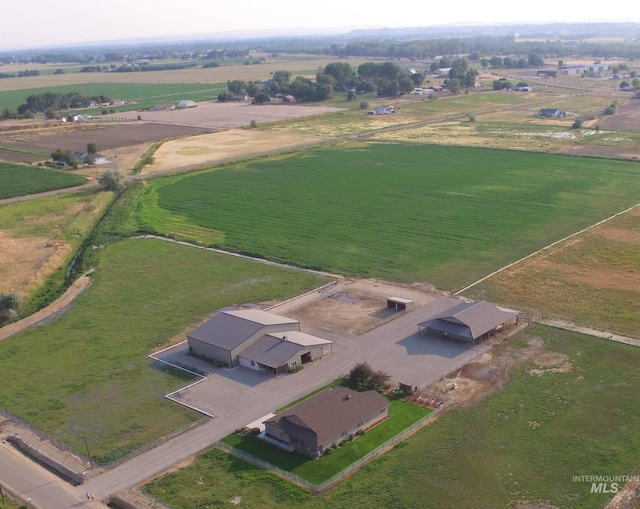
{"points": [[25, 481]]}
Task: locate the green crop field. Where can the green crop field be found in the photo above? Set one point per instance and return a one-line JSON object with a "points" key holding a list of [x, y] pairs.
{"points": [[20, 180], [401, 212], [520, 447], [145, 95], [87, 372]]}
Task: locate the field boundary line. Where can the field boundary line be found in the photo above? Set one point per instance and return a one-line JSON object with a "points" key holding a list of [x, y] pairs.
{"points": [[590, 331], [579, 232], [246, 257]]}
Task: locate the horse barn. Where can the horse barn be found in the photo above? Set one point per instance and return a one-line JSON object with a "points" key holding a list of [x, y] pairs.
{"points": [[469, 321], [257, 340]]}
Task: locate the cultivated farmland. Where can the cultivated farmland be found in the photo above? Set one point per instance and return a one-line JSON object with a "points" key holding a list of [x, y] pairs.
{"points": [[19, 180], [400, 212]]}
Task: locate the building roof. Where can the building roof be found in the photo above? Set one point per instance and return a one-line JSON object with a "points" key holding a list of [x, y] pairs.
{"points": [[329, 413], [469, 319], [229, 329], [271, 350], [276, 349]]}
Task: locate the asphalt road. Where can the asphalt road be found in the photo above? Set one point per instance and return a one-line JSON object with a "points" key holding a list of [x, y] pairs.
{"points": [[35, 486]]}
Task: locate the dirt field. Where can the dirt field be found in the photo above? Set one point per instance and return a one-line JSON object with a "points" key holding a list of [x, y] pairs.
{"points": [[356, 305], [156, 126], [626, 117], [215, 148], [106, 136]]}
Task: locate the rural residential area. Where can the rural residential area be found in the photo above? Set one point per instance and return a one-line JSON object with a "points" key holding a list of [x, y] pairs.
{"points": [[349, 268]]}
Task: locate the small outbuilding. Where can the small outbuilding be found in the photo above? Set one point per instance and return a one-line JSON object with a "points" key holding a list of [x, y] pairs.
{"points": [[469, 321], [400, 304]]}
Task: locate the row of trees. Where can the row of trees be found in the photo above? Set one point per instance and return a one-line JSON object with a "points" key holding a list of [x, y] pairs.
{"points": [[19, 74], [54, 101]]}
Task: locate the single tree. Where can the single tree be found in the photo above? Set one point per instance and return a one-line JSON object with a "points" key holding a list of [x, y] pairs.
{"points": [[92, 148], [10, 306], [112, 180], [360, 375], [453, 85]]}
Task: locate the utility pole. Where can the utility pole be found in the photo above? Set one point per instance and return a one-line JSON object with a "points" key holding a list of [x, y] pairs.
{"points": [[87, 446]]}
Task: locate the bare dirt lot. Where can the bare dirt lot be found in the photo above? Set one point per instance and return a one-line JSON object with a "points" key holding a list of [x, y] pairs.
{"points": [[125, 130], [214, 148], [626, 117], [356, 306], [215, 115], [106, 136]]}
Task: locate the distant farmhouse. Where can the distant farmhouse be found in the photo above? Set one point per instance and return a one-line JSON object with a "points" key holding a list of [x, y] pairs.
{"points": [[551, 113], [469, 321], [257, 340], [330, 417]]}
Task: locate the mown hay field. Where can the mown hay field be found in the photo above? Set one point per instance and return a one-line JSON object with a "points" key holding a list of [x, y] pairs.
{"points": [[395, 211], [87, 372], [567, 411]]}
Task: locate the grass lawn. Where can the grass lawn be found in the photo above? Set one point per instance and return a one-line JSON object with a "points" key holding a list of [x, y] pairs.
{"points": [[20, 180], [523, 444], [88, 371], [396, 211], [317, 471]]}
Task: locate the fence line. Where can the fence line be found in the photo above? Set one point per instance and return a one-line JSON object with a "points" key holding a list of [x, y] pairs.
{"points": [[344, 472], [155, 443], [84, 458], [43, 435]]}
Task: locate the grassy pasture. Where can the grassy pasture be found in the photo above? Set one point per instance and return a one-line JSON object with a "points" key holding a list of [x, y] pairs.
{"points": [[88, 371], [20, 180], [593, 280], [145, 95], [523, 444], [397, 211], [317, 471]]}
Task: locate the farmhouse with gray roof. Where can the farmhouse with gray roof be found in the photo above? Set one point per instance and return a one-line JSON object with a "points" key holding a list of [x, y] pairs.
{"points": [[328, 418], [256, 339], [469, 321]]}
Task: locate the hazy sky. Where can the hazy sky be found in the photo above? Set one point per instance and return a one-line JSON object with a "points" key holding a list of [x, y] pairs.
{"points": [[37, 23]]}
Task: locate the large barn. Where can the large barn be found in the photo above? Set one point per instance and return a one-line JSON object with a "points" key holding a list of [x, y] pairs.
{"points": [[328, 418], [469, 321], [256, 339]]}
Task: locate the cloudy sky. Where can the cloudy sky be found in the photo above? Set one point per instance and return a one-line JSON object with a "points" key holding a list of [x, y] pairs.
{"points": [[44, 23]]}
